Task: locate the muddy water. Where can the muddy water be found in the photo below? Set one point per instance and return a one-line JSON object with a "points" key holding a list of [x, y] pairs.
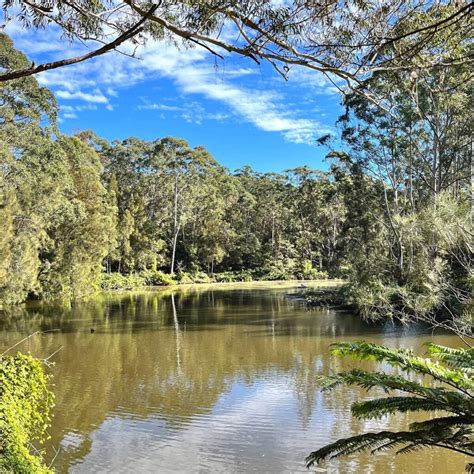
{"points": [[206, 380]]}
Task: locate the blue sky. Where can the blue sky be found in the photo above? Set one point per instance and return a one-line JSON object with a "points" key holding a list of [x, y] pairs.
{"points": [[241, 112]]}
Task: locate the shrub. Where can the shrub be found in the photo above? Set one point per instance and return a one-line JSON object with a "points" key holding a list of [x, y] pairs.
{"points": [[225, 277], [184, 278], [157, 278], [117, 281], [308, 272], [275, 273], [200, 277], [25, 402], [231, 277]]}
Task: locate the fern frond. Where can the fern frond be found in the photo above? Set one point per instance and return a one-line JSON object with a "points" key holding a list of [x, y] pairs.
{"points": [[410, 448], [446, 421], [372, 441], [387, 406], [456, 358], [405, 360], [453, 395], [452, 401], [389, 439]]}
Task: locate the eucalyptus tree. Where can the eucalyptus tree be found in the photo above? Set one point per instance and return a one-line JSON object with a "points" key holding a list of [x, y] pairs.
{"points": [[319, 213], [414, 148], [183, 171], [208, 235], [140, 206]]}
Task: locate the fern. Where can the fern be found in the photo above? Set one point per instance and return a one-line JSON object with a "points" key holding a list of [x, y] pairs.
{"points": [[452, 373], [457, 358]]}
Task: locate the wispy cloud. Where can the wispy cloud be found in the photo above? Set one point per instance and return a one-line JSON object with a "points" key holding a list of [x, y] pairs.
{"points": [[168, 108], [95, 97], [193, 71]]}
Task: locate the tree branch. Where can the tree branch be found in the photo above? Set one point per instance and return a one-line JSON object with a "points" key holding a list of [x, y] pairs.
{"points": [[35, 69]]}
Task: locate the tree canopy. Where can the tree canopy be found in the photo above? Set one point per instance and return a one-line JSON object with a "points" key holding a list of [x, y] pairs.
{"points": [[346, 41]]}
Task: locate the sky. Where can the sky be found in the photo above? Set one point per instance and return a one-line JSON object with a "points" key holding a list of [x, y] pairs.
{"points": [[243, 113]]}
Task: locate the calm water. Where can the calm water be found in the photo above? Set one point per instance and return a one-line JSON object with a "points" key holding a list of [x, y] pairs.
{"points": [[207, 380]]}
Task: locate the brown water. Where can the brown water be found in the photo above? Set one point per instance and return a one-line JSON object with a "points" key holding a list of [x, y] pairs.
{"points": [[206, 380]]}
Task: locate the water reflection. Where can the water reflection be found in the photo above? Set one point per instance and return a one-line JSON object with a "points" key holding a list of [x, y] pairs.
{"points": [[211, 380]]}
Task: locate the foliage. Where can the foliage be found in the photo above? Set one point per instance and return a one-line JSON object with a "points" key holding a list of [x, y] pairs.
{"points": [[409, 226], [346, 41], [201, 277], [450, 391], [230, 277], [117, 281], [25, 402], [56, 218], [157, 278]]}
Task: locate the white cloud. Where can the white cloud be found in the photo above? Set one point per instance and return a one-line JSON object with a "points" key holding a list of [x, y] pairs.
{"points": [[96, 97], [77, 108], [70, 115], [159, 107], [263, 109], [191, 112], [194, 72], [111, 92]]}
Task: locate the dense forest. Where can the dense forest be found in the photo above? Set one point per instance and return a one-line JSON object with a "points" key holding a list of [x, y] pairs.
{"points": [[392, 214]]}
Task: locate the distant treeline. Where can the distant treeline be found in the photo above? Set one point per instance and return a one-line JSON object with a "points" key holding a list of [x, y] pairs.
{"points": [[392, 214]]}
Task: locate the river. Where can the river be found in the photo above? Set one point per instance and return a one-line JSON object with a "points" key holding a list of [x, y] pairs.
{"points": [[206, 379]]}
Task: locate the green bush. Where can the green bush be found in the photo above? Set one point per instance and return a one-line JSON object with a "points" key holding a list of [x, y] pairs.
{"points": [[201, 277], [117, 281], [276, 273], [308, 272], [184, 278], [157, 278], [225, 277], [25, 402], [232, 277], [314, 274]]}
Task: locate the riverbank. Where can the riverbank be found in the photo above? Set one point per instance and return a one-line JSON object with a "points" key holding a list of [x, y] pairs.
{"points": [[244, 285], [153, 278]]}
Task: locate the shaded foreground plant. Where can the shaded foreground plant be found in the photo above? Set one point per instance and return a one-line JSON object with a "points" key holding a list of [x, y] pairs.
{"points": [[452, 372]]}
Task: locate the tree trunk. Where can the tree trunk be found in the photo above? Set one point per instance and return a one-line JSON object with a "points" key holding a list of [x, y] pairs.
{"points": [[175, 225]]}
